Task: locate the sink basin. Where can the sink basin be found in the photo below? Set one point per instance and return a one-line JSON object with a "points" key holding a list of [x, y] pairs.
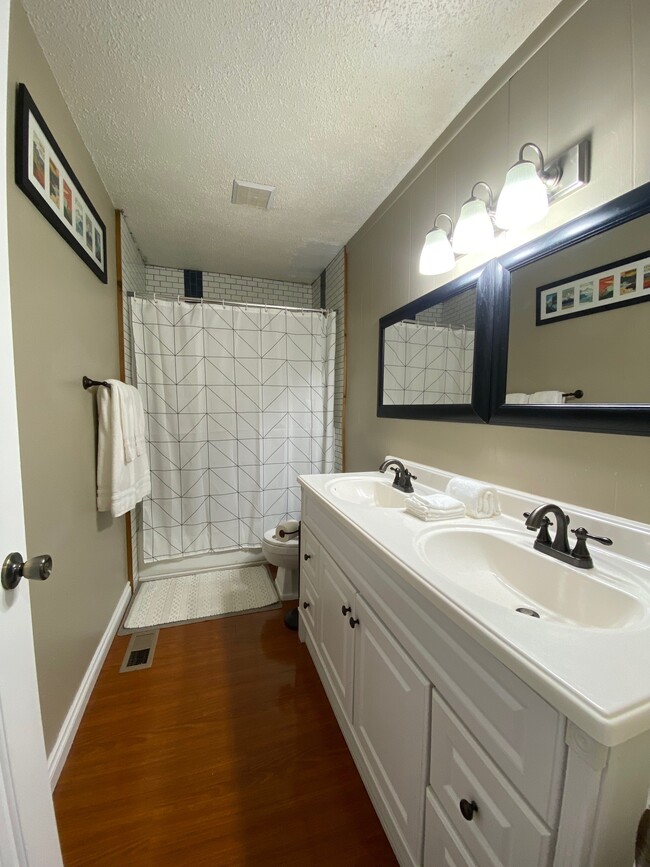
{"points": [[504, 568], [367, 492]]}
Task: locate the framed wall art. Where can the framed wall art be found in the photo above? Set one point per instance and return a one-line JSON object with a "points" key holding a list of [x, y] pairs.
{"points": [[47, 179], [604, 288]]}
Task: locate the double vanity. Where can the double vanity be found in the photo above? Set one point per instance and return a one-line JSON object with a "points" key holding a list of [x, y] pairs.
{"points": [[495, 699]]}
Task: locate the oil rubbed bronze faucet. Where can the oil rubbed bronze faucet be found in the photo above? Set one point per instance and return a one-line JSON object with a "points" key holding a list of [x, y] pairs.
{"points": [[403, 477], [559, 547]]}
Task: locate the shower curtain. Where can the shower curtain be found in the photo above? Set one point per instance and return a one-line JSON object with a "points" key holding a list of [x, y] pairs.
{"points": [[239, 402]]}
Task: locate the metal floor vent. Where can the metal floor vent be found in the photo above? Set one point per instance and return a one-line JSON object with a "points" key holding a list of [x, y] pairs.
{"points": [[139, 653]]}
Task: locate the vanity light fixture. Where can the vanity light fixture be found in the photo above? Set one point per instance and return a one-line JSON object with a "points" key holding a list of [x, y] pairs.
{"points": [[437, 256], [524, 197], [475, 229]]}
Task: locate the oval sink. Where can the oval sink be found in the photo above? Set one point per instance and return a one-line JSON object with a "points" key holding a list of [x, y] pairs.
{"points": [[367, 492], [500, 567]]}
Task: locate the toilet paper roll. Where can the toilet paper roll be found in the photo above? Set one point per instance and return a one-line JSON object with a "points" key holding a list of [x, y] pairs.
{"points": [[287, 528]]}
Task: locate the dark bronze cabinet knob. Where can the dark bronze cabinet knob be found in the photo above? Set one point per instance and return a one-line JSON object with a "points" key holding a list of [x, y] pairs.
{"points": [[306, 556], [345, 609], [468, 808], [353, 621], [306, 605]]}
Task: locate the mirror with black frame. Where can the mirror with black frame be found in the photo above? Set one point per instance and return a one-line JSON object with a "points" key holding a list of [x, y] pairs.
{"points": [[572, 347], [433, 354]]}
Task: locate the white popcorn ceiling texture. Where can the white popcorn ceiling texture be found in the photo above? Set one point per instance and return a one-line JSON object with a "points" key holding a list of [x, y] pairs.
{"points": [[331, 101]]}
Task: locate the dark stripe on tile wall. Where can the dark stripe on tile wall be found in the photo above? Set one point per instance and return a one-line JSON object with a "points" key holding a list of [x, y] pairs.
{"points": [[323, 284]]}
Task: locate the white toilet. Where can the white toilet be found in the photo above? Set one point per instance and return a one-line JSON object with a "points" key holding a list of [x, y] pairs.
{"points": [[283, 553]]}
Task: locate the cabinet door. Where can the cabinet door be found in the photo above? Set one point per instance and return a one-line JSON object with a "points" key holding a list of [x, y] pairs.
{"points": [[391, 721], [335, 636]]}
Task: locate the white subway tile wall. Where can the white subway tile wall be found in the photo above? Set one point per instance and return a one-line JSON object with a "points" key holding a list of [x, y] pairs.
{"points": [[133, 280], [335, 300], [169, 282]]}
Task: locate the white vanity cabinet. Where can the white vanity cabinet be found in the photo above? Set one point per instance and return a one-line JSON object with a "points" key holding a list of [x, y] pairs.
{"points": [[436, 723]]}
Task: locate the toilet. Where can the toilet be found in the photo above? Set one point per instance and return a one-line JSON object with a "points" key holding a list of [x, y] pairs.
{"points": [[283, 553]]}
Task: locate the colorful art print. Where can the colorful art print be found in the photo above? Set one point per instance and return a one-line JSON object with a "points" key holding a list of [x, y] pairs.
{"points": [[38, 159], [47, 179], [586, 294], [67, 202], [620, 283], [568, 296], [628, 282], [55, 187]]}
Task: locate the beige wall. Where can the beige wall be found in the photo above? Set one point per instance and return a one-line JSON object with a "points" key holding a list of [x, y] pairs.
{"points": [[591, 77], [65, 325]]}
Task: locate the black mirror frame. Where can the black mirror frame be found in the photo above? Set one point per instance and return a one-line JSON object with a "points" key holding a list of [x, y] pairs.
{"points": [[630, 419], [478, 409]]}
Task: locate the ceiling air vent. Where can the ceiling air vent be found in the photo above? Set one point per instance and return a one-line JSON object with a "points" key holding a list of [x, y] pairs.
{"points": [[248, 193]]}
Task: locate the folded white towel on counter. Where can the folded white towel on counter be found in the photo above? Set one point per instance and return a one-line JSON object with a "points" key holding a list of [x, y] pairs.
{"points": [[517, 397], [546, 397], [131, 414], [120, 484], [434, 507], [480, 500]]}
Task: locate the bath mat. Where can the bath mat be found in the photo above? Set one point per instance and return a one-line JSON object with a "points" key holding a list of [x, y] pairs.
{"points": [[201, 596]]}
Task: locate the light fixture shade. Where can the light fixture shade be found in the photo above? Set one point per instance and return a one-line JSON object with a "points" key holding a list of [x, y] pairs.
{"points": [[524, 198], [436, 257], [474, 230]]}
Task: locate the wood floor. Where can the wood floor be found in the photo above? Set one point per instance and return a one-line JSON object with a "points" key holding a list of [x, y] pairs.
{"points": [[224, 752]]}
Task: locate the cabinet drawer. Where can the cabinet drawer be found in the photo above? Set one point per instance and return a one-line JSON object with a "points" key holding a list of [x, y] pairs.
{"points": [[442, 846], [309, 605], [520, 731], [504, 831]]}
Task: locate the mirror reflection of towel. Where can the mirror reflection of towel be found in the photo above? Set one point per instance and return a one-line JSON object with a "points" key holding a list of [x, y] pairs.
{"points": [[546, 397]]}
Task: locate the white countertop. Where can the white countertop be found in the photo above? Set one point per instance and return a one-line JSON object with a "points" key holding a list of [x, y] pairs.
{"points": [[598, 677]]}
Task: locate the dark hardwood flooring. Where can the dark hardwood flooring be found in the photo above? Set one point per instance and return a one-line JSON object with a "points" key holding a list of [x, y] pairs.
{"points": [[224, 752]]}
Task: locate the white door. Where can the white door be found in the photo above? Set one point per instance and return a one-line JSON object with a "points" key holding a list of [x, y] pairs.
{"points": [[28, 834]]}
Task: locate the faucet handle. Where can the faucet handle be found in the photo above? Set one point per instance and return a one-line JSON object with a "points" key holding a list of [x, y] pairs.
{"points": [[581, 551]]}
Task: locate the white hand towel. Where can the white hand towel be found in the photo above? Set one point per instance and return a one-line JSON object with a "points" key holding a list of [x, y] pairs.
{"points": [[120, 485], [481, 500], [546, 397], [434, 507], [131, 418], [517, 397]]}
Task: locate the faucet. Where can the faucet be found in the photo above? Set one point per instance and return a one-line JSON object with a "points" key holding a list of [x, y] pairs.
{"points": [[402, 476], [559, 547]]}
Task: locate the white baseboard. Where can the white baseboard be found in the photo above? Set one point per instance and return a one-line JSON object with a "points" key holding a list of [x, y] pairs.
{"points": [[59, 753]]}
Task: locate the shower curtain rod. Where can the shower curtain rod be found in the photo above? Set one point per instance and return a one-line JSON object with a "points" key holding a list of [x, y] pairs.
{"points": [[225, 303]]}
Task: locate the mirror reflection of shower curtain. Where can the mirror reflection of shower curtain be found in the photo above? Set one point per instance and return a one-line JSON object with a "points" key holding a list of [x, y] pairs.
{"points": [[239, 402], [427, 364]]}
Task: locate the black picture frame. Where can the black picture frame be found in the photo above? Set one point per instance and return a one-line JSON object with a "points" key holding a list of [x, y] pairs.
{"points": [[477, 411], [626, 419], [599, 308], [59, 192]]}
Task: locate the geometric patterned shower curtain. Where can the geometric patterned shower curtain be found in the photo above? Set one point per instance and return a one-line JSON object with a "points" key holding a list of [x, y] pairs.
{"points": [[238, 402], [427, 364]]}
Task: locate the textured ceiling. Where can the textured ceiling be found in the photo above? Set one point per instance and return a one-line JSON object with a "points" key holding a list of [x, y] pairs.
{"points": [[331, 101]]}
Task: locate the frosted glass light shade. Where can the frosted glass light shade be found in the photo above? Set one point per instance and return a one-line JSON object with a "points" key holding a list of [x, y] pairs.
{"points": [[474, 230], [524, 198], [436, 257]]}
